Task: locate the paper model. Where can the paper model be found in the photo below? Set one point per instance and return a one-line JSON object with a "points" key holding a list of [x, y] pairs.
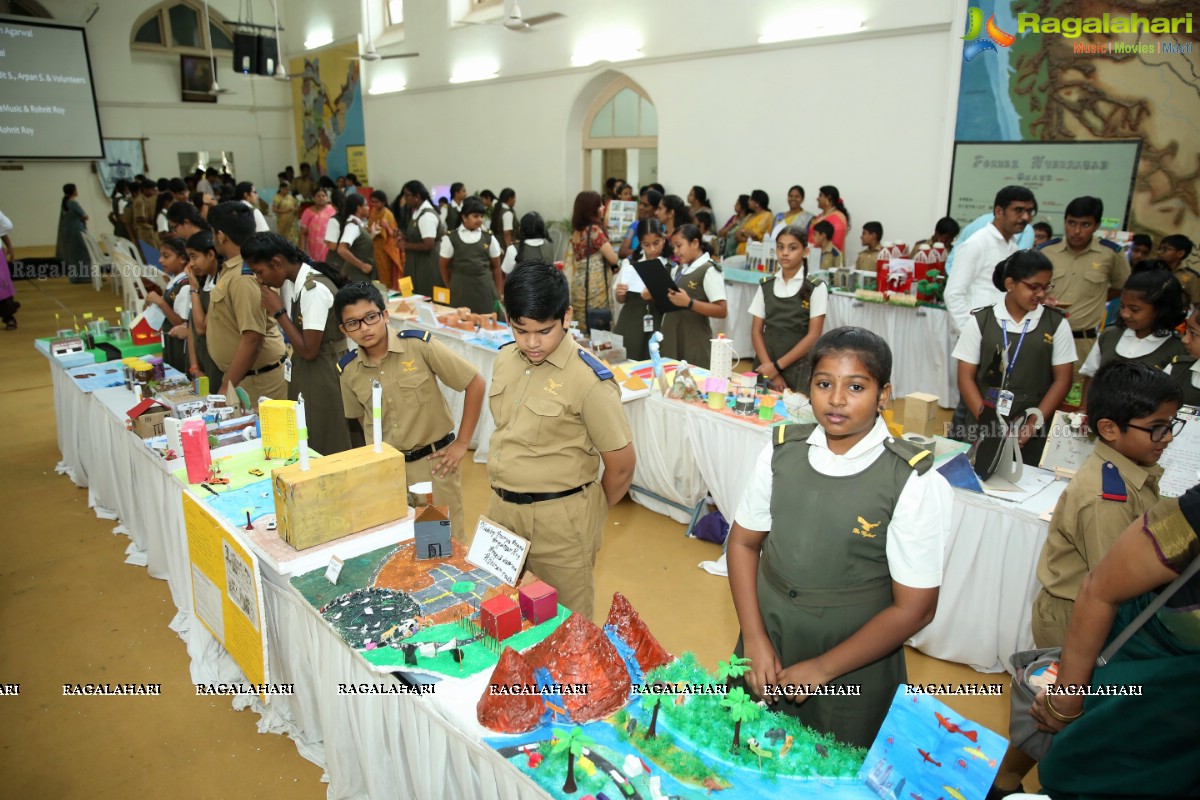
{"points": [[500, 617], [539, 601], [431, 530]]}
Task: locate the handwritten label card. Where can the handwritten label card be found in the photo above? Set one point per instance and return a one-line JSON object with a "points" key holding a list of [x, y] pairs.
{"points": [[501, 552], [334, 570]]}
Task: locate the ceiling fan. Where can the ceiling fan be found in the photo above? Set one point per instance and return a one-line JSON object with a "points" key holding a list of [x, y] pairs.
{"points": [[370, 53], [513, 21], [215, 88]]}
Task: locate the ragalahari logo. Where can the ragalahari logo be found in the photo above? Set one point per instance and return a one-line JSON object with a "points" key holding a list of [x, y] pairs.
{"points": [[995, 36]]}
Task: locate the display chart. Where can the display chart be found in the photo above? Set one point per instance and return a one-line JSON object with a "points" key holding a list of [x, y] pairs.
{"points": [[47, 95], [1056, 172]]}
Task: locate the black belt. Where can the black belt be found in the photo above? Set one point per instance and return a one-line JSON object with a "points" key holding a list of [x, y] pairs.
{"points": [[421, 452], [525, 498], [1090, 333], [266, 369]]}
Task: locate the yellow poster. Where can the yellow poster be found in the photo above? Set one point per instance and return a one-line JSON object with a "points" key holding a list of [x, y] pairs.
{"points": [[227, 590], [356, 158]]}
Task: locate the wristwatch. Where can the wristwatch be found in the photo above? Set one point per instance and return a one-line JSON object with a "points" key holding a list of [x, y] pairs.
{"points": [[279, 313], [691, 302]]}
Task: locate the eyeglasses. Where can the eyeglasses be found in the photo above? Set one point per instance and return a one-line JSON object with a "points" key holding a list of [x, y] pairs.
{"points": [[369, 319], [1157, 432], [1036, 287]]}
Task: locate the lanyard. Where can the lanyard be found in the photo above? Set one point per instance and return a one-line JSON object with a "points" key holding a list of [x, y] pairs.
{"points": [[1013, 361]]}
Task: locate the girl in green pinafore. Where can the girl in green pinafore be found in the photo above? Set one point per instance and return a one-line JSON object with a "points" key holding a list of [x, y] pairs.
{"points": [[1153, 305], [175, 302], [835, 554], [204, 262], [303, 306], [1185, 370], [420, 238], [1016, 356], [355, 248], [687, 333], [469, 262], [788, 313], [631, 291]]}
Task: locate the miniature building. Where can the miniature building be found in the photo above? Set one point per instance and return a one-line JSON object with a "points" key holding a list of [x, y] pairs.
{"points": [[539, 602], [500, 617], [142, 332], [146, 418], [431, 526]]}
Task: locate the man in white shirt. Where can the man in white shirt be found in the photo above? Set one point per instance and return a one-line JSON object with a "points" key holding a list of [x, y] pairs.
{"points": [[969, 285], [248, 194]]}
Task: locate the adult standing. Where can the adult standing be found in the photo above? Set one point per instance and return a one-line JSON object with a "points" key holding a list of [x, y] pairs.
{"points": [[1087, 271], [72, 222], [313, 223], [286, 209], [8, 299], [758, 223], [304, 184], [420, 238], [648, 201], [833, 210], [697, 200], [120, 201], [727, 236], [795, 215], [672, 212], [593, 259], [389, 258], [248, 194]]}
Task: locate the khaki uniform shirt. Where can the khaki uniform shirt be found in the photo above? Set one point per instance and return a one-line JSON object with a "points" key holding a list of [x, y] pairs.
{"points": [[553, 420], [235, 307], [1082, 281], [866, 260], [1085, 525], [832, 259], [414, 412], [1190, 282]]}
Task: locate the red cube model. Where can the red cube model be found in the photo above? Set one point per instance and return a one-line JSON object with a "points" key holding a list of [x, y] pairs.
{"points": [[500, 617], [539, 602]]}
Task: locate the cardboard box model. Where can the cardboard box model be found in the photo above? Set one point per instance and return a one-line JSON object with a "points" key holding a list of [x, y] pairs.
{"points": [[339, 495], [500, 617], [146, 418], [431, 530], [920, 414], [539, 602]]}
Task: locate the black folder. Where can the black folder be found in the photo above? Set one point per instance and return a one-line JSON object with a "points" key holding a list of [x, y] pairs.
{"points": [[658, 280]]}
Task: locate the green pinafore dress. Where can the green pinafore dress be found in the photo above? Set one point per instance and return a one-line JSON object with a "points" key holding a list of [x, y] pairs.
{"points": [[823, 575], [1162, 355], [785, 325], [1181, 373], [687, 335], [471, 281], [631, 325], [364, 250], [174, 350], [319, 380], [216, 378], [422, 267]]}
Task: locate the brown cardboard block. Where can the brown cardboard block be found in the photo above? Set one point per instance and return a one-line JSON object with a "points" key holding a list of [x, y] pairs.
{"points": [[339, 495], [920, 414]]}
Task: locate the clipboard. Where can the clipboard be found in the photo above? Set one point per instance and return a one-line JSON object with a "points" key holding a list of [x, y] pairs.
{"points": [[658, 281]]}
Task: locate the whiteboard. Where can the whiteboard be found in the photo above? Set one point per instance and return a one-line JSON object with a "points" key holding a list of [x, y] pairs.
{"points": [[1056, 173]]}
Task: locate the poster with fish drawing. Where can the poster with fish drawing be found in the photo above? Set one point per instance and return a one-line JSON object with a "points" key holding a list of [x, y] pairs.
{"points": [[926, 751]]}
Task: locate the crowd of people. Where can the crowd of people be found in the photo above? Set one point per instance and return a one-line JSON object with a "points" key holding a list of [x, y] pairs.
{"points": [[1031, 324]]}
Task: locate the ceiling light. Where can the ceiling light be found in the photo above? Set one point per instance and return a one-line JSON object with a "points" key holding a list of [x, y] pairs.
{"points": [[387, 85], [812, 25], [319, 39], [475, 71]]}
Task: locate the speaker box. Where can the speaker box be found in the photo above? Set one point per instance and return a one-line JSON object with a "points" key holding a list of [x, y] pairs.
{"points": [[245, 53], [268, 55]]}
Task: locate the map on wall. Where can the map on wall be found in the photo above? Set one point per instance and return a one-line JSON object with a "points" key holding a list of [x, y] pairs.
{"points": [[327, 104], [1070, 70]]}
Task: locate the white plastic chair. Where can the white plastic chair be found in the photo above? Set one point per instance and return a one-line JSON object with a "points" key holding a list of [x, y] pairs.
{"points": [[97, 259]]}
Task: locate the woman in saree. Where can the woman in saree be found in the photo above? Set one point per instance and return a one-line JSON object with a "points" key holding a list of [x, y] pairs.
{"points": [[593, 259], [389, 258], [313, 223], [287, 212], [759, 222]]}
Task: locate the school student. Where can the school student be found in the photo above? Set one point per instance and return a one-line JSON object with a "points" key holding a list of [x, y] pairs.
{"points": [[788, 315], [420, 238], [687, 333], [204, 263], [558, 415], [416, 419], [822, 239], [1185, 370], [355, 248], [534, 244], [1131, 411], [835, 554], [303, 307], [504, 218], [872, 234], [469, 261], [175, 302], [1152, 307], [1017, 355], [640, 316], [1174, 250]]}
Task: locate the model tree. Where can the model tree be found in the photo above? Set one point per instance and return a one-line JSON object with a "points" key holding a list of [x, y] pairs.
{"points": [[736, 667], [742, 708], [654, 701], [573, 743]]}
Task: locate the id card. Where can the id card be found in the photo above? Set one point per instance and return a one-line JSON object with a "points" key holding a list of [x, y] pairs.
{"points": [[1004, 403], [648, 324], [287, 370]]}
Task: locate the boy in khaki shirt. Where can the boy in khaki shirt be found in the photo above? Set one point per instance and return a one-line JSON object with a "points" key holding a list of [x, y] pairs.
{"points": [[243, 340], [415, 419], [558, 415]]}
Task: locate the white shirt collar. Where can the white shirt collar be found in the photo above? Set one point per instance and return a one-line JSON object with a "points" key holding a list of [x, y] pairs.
{"points": [[303, 274], [697, 264], [866, 448], [991, 226], [1151, 341], [182, 276], [425, 204], [1002, 313], [456, 206]]}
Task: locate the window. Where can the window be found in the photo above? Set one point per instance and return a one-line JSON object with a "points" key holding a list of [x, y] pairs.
{"points": [[177, 26], [620, 136], [395, 13]]}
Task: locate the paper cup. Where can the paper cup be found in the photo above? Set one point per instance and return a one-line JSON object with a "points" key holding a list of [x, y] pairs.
{"points": [[716, 400]]}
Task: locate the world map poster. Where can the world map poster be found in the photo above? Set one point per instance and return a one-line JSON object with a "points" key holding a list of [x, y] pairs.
{"points": [[1079, 70], [328, 106]]}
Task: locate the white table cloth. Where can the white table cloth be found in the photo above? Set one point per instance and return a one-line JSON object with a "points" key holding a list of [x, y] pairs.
{"points": [[921, 340]]}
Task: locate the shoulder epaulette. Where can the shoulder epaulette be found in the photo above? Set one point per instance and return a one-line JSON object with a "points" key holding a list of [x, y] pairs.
{"points": [[597, 366], [246, 269], [792, 432], [409, 333], [1055, 310], [975, 311], [506, 344], [345, 360], [1049, 242], [1112, 485], [1195, 274], [767, 279], [1111, 245], [911, 453], [1184, 359]]}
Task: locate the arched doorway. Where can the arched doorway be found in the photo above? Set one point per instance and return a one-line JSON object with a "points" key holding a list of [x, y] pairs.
{"points": [[620, 136]]}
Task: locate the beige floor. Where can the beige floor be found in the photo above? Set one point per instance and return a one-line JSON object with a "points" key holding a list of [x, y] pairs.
{"points": [[71, 611]]}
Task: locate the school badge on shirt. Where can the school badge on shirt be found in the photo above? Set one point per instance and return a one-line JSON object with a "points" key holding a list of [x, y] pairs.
{"points": [[551, 386], [867, 527], [409, 366]]}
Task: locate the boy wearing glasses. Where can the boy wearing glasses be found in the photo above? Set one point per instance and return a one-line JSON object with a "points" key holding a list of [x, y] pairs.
{"points": [[1131, 409], [416, 419]]}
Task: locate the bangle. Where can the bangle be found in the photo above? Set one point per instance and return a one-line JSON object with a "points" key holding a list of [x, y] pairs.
{"points": [[1058, 715], [778, 368], [691, 302], [279, 313]]}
